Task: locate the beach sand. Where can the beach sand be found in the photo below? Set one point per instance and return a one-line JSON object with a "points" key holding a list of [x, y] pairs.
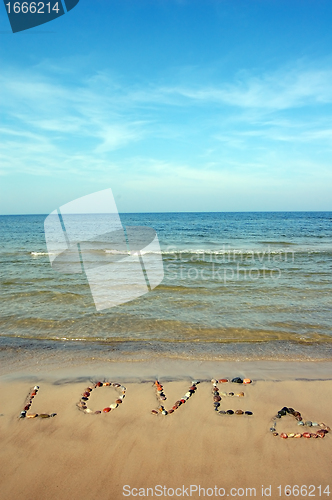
{"points": [[76, 455]]}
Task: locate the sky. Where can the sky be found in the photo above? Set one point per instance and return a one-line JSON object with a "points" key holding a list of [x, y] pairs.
{"points": [[176, 105]]}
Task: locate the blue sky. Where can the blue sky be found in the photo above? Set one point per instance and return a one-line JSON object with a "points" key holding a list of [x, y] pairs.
{"points": [[177, 105]]}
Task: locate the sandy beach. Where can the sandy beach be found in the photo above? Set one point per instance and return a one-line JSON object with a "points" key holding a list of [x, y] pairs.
{"points": [[193, 452]]}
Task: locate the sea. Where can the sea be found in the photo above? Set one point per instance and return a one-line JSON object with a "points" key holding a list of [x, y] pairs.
{"points": [[251, 286]]}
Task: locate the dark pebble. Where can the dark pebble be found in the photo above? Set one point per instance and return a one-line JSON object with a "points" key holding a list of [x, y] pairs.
{"points": [[248, 412], [237, 380], [222, 412], [230, 412]]}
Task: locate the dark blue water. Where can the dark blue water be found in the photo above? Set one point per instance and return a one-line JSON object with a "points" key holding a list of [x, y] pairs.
{"points": [[229, 278]]}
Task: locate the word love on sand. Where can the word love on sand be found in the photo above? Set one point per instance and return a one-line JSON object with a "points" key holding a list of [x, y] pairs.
{"points": [[219, 398]]}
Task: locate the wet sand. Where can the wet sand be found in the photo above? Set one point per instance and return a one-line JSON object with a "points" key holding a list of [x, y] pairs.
{"points": [[94, 456]]}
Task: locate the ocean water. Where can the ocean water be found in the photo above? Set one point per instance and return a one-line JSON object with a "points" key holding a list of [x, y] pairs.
{"points": [[250, 285]]}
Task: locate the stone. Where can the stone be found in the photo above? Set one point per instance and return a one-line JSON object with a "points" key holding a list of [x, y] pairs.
{"points": [[53, 415], [36, 388], [282, 412], [315, 424], [298, 435], [240, 395], [84, 398], [44, 415], [248, 413], [86, 394], [246, 381], [213, 381], [188, 394], [231, 393], [222, 412], [284, 435], [195, 382], [308, 423], [106, 410], [154, 412], [306, 435], [275, 434], [97, 412], [99, 384], [223, 380], [230, 412], [216, 404], [192, 388], [291, 435], [113, 406], [237, 380], [171, 411], [216, 398], [118, 401], [116, 385], [313, 435], [239, 412], [182, 401], [164, 412], [86, 411], [300, 422], [32, 415], [27, 407], [106, 384]]}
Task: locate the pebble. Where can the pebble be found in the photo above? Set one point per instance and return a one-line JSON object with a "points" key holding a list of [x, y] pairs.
{"points": [[298, 435], [154, 412], [36, 388], [224, 394], [106, 410], [213, 381], [230, 412], [86, 411], [171, 411], [308, 423], [195, 382], [106, 384], [188, 394], [248, 413], [223, 380], [239, 412], [284, 435], [97, 412], [291, 435], [275, 434], [44, 415], [192, 388], [164, 412], [216, 398], [222, 412], [53, 415], [99, 384], [315, 424], [118, 401], [246, 381], [113, 406], [32, 415], [237, 380], [240, 395], [300, 422], [306, 435]]}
